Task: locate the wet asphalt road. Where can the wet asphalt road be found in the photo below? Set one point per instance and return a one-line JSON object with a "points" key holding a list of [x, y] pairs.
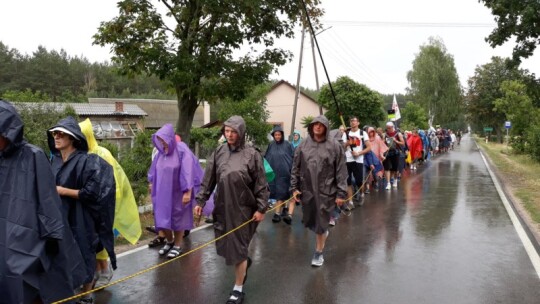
{"points": [[442, 237]]}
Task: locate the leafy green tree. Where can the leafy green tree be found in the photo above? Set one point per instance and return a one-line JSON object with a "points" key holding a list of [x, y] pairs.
{"points": [[434, 83], [519, 109], [38, 118], [306, 121], [253, 109], [413, 115], [484, 87], [25, 96], [354, 99], [194, 46], [519, 19]]}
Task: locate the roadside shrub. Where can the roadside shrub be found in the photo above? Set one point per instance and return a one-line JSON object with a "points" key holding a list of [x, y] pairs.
{"points": [[533, 142], [207, 139]]}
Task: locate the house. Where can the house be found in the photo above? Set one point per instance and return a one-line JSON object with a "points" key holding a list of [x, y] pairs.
{"points": [[280, 104], [160, 111], [115, 122]]}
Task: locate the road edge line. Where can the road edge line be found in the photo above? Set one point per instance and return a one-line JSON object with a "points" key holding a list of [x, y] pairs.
{"points": [[522, 234], [134, 250]]}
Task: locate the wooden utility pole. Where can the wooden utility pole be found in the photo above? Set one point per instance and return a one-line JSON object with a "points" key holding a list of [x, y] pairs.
{"points": [[297, 93], [315, 68]]}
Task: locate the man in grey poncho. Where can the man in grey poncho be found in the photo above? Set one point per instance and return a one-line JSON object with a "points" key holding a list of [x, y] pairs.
{"points": [[319, 181], [237, 171]]}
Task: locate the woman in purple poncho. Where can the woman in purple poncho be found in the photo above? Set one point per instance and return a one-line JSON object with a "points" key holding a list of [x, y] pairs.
{"points": [[175, 177]]}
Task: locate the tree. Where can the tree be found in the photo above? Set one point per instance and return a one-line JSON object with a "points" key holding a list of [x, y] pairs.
{"points": [[434, 83], [519, 109], [519, 19], [194, 46], [253, 110], [353, 99], [413, 115], [484, 87]]}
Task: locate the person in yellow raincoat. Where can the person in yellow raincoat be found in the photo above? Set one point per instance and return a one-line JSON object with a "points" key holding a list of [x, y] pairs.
{"points": [[126, 216]]}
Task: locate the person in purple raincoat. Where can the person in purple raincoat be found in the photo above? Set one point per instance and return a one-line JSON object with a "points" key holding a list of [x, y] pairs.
{"points": [[175, 177]]}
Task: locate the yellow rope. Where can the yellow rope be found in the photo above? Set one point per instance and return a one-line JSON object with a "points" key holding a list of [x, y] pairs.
{"points": [[184, 254]]}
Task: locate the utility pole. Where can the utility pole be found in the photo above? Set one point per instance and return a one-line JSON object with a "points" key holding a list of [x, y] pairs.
{"points": [[315, 68], [297, 93]]}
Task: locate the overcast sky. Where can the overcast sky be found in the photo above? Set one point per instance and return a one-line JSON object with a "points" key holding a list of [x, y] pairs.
{"points": [[373, 42]]}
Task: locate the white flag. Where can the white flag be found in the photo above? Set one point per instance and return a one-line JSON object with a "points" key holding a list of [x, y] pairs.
{"points": [[395, 107]]}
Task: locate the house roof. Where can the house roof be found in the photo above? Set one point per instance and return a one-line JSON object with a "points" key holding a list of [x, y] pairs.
{"points": [[86, 109], [277, 84], [97, 109]]}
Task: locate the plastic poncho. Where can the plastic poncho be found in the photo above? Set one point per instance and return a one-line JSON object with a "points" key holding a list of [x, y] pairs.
{"points": [[91, 216], [237, 174], [414, 142], [171, 174], [126, 213], [296, 143], [39, 258], [280, 156], [320, 173]]}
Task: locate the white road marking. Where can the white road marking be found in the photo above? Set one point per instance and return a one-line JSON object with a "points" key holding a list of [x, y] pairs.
{"points": [[123, 254], [527, 243]]}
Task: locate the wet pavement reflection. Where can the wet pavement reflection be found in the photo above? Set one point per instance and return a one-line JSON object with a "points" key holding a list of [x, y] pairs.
{"points": [[442, 237]]}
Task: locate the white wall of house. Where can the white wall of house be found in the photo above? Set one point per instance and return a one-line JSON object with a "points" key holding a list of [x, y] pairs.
{"points": [[280, 102]]}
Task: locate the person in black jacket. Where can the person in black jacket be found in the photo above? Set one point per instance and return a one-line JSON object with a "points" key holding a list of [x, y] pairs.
{"points": [[86, 185], [39, 259]]}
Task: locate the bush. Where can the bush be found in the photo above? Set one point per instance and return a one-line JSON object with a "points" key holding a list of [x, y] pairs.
{"points": [[207, 139], [533, 142], [136, 164], [38, 118]]}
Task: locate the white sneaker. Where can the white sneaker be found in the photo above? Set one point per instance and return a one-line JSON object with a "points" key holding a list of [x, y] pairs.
{"points": [[317, 260], [388, 186], [105, 277], [332, 222], [395, 184]]}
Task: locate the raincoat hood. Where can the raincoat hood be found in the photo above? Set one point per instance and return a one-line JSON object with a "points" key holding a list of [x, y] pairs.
{"points": [[278, 129], [322, 119], [11, 127], [88, 131], [167, 134], [239, 125], [69, 123], [295, 143]]}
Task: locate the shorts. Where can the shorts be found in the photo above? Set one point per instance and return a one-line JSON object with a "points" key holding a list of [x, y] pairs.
{"points": [[356, 169], [391, 163]]}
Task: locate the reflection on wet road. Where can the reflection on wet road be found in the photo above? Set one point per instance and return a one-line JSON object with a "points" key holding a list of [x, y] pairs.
{"points": [[442, 237]]}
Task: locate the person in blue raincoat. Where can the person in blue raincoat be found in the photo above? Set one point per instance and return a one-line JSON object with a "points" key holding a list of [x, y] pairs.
{"points": [[280, 155], [39, 259], [86, 185]]}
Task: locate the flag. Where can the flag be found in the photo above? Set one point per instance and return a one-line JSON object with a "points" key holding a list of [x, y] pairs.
{"points": [[395, 107]]}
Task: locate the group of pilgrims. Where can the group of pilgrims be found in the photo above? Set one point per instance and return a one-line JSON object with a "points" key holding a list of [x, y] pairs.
{"points": [[60, 214]]}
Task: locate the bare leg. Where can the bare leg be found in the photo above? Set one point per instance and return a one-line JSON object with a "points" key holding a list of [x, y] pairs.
{"points": [[292, 204], [279, 207], [178, 236], [321, 241], [240, 272], [168, 235]]}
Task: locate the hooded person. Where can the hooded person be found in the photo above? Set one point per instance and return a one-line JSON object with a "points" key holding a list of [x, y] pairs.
{"points": [[319, 181], [297, 139], [237, 173], [414, 142], [279, 155], [39, 259], [126, 214], [85, 183], [175, 177]]}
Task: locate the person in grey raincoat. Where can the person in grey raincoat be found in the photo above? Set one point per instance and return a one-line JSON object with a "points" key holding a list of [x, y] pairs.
{"points": [[237, 171], [86, 185], [39, 259], [319, 181], [279, 155]]}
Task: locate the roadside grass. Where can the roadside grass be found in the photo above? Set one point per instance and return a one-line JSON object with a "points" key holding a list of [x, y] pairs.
{"points": [[520, 172]]}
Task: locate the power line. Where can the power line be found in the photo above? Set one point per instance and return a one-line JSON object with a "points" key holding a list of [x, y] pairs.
{"points": [[408, 24]]}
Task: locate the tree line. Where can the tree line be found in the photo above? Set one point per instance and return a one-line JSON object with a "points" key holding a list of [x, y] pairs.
{"points": [[50, 75]]}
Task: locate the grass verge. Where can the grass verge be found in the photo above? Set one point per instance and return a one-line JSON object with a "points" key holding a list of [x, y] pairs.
{"points": [[520, 173]]}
